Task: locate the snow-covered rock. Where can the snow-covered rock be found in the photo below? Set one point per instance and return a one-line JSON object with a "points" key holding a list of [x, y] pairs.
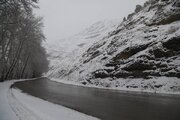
{"points": [[146, 44], [65, 53]]}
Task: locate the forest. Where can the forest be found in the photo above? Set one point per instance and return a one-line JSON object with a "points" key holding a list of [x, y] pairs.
{"points": [[21, 36]]}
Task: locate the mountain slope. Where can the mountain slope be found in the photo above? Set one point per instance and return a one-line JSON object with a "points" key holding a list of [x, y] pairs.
{"points": [[145, 45], [66, 52]]}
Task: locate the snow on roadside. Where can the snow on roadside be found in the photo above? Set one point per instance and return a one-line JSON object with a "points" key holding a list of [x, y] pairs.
{"points": [[49, 111], [6, 113], [160, 85], [15, 105]]}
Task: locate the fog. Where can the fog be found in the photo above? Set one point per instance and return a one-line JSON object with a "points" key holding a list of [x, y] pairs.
{"points": [[64, 18]]}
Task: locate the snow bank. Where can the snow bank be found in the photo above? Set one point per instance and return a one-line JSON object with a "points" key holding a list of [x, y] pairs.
{"points": [[6, 113], [156, 85]]}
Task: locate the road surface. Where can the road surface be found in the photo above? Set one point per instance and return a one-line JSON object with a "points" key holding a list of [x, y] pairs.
{"points": [[104, 104]]}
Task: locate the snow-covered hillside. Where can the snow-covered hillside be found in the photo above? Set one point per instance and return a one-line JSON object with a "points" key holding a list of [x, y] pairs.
{"points": [[145, 45], [65, 53]]}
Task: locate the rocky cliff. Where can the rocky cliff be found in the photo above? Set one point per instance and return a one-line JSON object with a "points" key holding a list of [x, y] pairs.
{"points": [[145, 45]]}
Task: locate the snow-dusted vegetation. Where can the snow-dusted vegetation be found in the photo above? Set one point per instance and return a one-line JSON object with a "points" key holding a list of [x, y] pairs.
{"points": [[21, 51], [144, 46]]}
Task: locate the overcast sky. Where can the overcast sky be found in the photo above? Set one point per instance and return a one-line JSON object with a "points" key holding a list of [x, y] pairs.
{"points": [[64, 18]]}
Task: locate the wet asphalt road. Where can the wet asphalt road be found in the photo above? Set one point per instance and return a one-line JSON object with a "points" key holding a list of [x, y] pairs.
{"points": [[104, 104]]}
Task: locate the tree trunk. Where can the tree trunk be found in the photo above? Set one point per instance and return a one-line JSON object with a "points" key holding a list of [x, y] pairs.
{"points": [[15, 60], [24, 68]]}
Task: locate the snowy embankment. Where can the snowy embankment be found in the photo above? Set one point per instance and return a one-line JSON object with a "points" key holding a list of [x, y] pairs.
{"points": [[155, 85], [15, 105], [6, 113]]}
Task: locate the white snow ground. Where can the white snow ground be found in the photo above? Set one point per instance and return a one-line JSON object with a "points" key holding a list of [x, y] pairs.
{"points": [[6, 113], [15, 105]]}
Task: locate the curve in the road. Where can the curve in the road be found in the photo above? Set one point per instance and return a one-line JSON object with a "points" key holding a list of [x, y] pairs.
{"points": [[104, 104]]}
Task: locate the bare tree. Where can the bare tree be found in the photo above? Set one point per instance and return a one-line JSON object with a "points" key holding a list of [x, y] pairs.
{"points": [[21, 36]]}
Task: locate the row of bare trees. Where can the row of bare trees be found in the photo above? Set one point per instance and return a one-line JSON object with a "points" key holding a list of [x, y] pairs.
{"points": [[21, 37]]}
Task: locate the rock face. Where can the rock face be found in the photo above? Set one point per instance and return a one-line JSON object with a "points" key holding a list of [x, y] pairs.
{"points": [[145, 44], [138, 8], [65, 54]]}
